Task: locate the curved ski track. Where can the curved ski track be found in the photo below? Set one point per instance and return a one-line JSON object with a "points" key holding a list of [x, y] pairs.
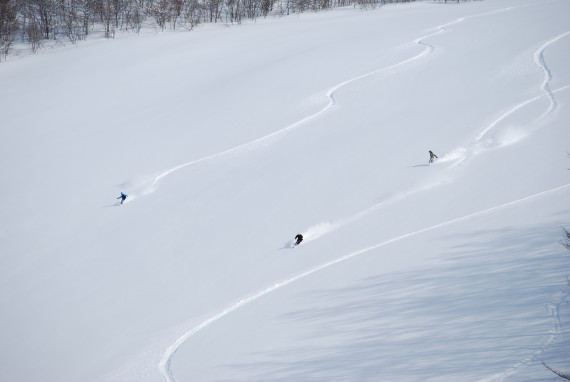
{"points": [[539, 61], [538, 58], [252, 144], [164, 363], [331, 102]]}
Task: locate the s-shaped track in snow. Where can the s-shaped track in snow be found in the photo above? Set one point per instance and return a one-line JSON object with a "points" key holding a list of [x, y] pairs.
{"points": [[538, 58], [331, 102], [329, 94]]}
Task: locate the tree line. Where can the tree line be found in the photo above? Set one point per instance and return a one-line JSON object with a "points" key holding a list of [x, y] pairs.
{"points": [[36, 22]]}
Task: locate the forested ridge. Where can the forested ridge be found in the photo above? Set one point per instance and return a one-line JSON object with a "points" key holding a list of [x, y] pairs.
{"points": [[36, 22]]}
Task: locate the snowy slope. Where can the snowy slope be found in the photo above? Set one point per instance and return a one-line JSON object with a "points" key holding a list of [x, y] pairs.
{"points": [[229, 141]]}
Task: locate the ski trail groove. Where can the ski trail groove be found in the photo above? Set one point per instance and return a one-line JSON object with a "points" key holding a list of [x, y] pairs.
{"points": [[164, 363], [538, 58], [461, 154], [428, 49], [516, 108], [331, 102], [325, 228]]}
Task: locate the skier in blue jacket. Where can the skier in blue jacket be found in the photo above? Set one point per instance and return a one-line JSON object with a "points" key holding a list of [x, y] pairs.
{"points": [[122, 197]]}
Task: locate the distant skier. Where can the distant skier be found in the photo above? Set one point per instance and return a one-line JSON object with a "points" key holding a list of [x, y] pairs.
{"points": [[122, 197], [432, 157], [298, 239]]}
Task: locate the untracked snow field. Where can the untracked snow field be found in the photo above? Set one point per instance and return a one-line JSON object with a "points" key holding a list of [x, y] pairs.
{"points": [[230, 140]]}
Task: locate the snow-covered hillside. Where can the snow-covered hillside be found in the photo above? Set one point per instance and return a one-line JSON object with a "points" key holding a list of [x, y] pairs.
{"points": [[229, 141]]}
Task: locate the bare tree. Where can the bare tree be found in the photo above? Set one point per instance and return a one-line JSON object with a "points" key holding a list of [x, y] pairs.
{"points": [[566, 240], [266, 7], [32, 27], [561, 375], [134, 15], [234, 11], [566, 243], [175, 7], [160, 13], [192, 12], [213, 10], [8, 26], [74, 18], [45, 13]]}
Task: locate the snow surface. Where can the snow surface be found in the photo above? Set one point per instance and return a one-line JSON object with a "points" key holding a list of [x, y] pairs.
{"points": [[231, 140]]}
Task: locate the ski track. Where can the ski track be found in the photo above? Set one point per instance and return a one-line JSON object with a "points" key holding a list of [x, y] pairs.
{"points": [[461, 154], [324, 228], [321, 229], [428, 49], [538, 57], [253, 144], [164, 363]]}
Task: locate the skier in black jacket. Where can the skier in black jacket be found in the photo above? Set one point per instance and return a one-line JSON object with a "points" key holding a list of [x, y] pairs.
{"points": [[432, 156], [298, 239]]}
